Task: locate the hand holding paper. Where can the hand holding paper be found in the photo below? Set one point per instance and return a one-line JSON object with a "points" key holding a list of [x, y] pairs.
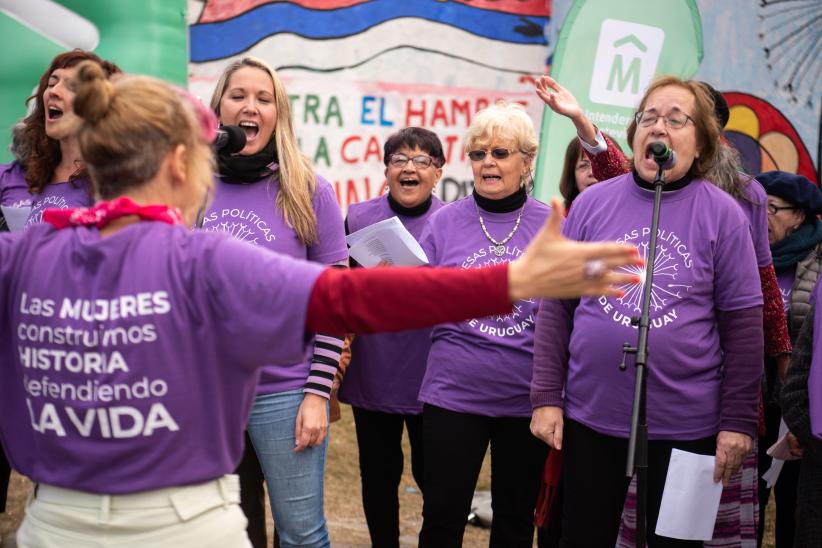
{"points": [[387, 241]]}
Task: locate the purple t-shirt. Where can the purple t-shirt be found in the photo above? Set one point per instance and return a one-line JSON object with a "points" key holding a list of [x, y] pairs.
{"points": [[786, 280], [481, 366], [705, 262], [755, 209], [130, 362], [14, 190], [65, 195], [386, 370], [248, 212]]}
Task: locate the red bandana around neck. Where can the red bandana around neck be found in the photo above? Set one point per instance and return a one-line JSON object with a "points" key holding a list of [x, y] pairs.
{"points": [[103, 213]]}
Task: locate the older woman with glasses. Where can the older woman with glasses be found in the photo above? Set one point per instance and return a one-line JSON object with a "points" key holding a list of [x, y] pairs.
{"points": [[795, 235], [706, 327], [475, 388], [736, 522], [383, 379]]}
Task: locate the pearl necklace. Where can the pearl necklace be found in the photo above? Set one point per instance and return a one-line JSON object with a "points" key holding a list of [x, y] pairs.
{"points": [[499, 247]]}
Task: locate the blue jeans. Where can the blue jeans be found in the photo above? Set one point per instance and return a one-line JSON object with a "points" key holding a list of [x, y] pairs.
{"points": [[294, 480]]}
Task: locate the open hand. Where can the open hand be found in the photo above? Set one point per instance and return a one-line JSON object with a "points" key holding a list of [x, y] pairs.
{"points": [[555, 267]]}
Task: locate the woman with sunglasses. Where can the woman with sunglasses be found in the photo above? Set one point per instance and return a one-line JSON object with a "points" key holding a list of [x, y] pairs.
{"points": [[130, 346], [736, 522], [269, 194], [795, 235], [383, 379], [706, 327], [475, 388], [50, 172]]}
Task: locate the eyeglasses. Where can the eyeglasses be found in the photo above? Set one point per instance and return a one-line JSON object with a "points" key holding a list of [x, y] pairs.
{"points": [[401, 160], [674, 120], [496, 153], [774, 209]]}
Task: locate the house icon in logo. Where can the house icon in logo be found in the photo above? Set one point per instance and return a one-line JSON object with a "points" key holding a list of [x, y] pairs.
{"points": [[626, 60]]}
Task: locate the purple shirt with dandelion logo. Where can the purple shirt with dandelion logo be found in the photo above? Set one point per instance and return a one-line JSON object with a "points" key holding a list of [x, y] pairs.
{"points": [[66, 195], [129, 362], [481, 366], [705, 262], [386, 370], [248, 212]]}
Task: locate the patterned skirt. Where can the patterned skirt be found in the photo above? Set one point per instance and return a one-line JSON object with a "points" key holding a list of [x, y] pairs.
{"points": [[736, 522]]}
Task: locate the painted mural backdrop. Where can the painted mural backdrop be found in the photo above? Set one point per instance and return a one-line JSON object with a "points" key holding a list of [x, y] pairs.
{"points": [[359, 70]]}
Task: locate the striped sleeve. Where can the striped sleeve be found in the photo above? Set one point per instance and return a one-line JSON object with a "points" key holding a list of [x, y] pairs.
{"points": [[324, 364]]}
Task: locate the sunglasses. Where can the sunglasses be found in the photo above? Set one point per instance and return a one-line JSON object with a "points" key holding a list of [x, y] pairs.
{"points": [[496, 153]]}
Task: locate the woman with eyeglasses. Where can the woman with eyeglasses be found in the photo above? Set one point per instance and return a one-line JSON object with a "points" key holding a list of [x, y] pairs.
{"points": [[475, 389], [795, 235], [268, 194], [737, 519], [706, 327], [383, 379]]}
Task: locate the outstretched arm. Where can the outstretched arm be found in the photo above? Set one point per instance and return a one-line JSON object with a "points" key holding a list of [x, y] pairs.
{"points": [[411, 298]]}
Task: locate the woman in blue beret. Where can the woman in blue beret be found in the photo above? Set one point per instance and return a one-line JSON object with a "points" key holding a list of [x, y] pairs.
{"points": [[795, 237]]}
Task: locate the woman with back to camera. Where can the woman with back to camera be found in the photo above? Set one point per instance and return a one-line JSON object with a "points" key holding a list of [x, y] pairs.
{"points": [[269, 194], [383, 380], [706, 318], [736, 521], [159, 332], [475, 388], [51, 174]]}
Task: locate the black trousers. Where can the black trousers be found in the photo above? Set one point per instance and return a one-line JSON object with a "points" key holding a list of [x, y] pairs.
{"points": [[593, 475], [252, 495], [785, 490], [379, 438], [5, 473], [454, 445]]}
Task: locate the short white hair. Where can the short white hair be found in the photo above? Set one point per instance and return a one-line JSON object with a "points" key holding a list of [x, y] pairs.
{"points": [[506, 122]]}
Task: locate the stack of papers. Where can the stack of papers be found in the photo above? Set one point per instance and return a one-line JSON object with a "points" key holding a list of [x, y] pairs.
{"points": [[387, 241]]}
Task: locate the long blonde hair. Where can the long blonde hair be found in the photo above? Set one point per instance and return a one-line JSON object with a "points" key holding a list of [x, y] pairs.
{"points": [[297, 180]]}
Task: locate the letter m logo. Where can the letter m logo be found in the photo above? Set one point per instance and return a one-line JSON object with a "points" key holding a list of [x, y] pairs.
{"points": [[626, 59]]}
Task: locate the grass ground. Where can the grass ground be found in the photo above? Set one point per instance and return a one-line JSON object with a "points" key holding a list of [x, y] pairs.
{"points": [[342, 498]]}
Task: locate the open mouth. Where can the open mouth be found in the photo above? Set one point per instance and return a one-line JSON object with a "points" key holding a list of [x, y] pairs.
{"points": [[251, 129], [409, 183], [491, 178], [54, 113]]}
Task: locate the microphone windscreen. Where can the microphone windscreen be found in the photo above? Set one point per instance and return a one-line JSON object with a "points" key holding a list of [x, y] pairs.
{"points": [[234, 140]]}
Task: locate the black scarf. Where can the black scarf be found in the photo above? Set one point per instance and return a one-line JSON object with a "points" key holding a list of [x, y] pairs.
{"points": [[512, 202], [234, 168], [667, 187], [414, 211], [796, 246]]}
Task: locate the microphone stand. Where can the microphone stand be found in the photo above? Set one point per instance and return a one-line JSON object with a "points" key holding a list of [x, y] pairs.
{"points": [[638, 441]]}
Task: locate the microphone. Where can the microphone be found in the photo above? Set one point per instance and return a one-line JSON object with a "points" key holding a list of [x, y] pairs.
{"points": [[229, 139], [664, 156]]}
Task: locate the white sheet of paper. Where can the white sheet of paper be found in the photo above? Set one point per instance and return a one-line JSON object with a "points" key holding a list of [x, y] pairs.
{"points": [[387, 241], [690, 500], [390, 223], [16, 217], [780, 451]]}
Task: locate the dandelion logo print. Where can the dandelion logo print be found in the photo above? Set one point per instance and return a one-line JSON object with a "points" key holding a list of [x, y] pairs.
{"points": [[664, 285], [240, 231]]}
